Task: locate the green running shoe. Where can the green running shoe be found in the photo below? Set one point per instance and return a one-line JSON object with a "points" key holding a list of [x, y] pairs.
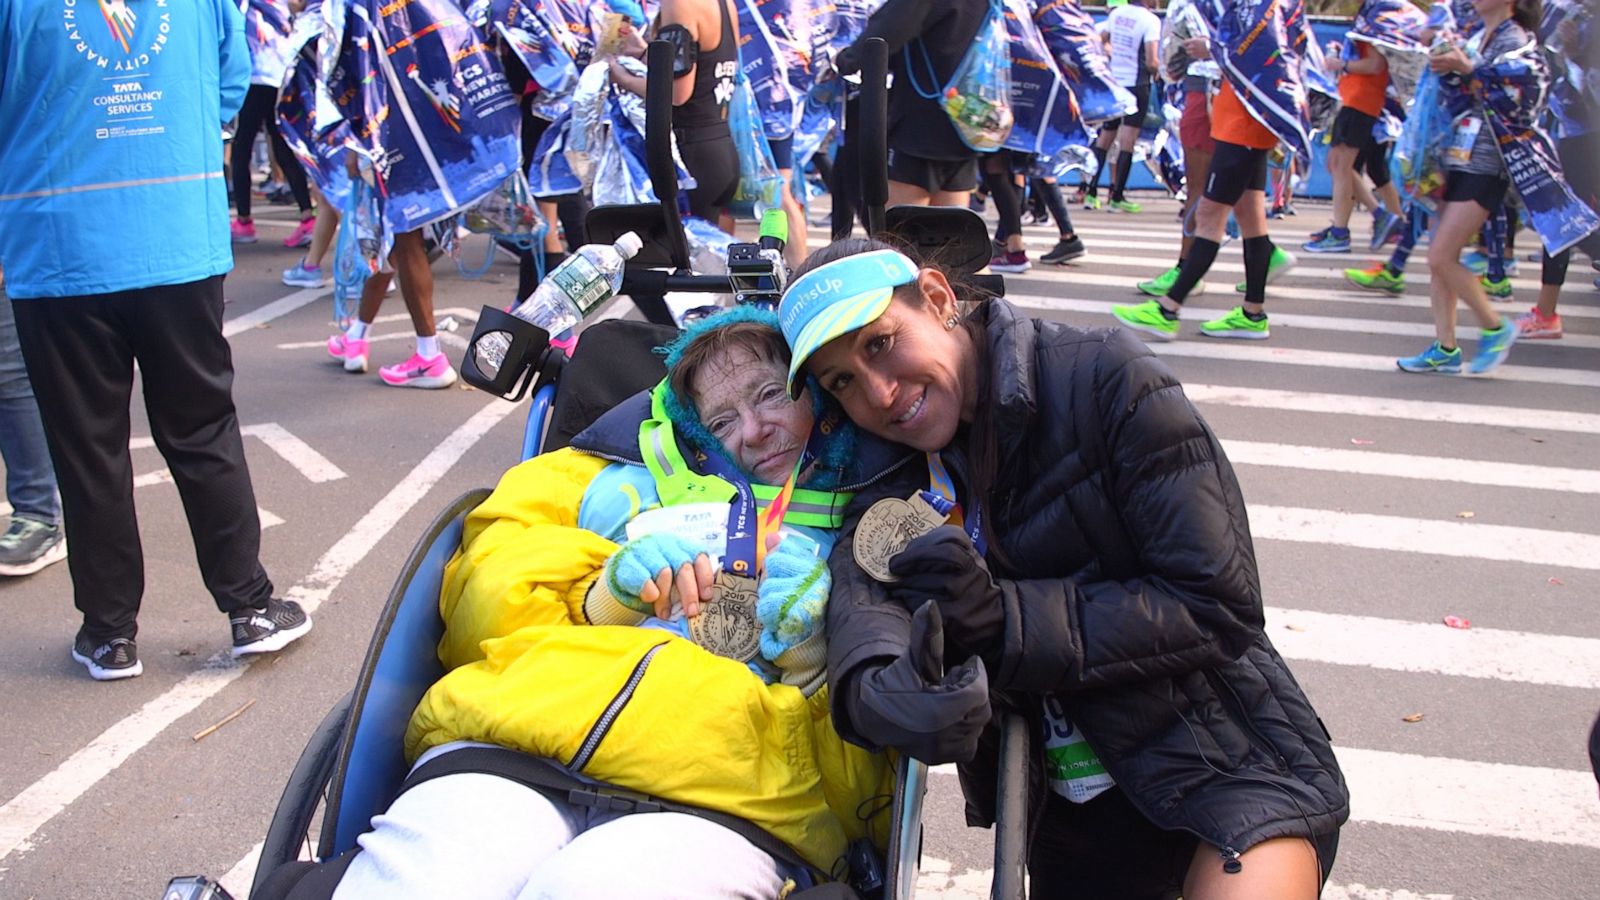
{"points": [[1377, 278], [1090, 201], [1236, 325], [1282, 262], [1499, 290], [1159, 285], [1124, 206], [1147, 317]]}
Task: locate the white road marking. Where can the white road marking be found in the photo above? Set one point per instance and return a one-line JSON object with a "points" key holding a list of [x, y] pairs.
{"points": [[1529, 803], [1436, 412], [1223, 288], [265, 313], [1420, 330], [238, 880], [1236, 351], [1422, 468], [937, 880], [1434, 649], [313, 465], [445, 337], [23, 815], [1457, 538], [296, 452]]}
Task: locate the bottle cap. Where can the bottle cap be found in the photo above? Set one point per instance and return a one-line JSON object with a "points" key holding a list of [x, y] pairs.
{"points": [[629, 245]]}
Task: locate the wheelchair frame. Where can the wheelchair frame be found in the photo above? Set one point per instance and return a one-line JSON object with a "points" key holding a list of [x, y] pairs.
{"points": [[368, 724]]}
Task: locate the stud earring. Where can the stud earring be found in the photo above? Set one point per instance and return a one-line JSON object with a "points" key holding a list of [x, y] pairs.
{"points": [[951, 323]]}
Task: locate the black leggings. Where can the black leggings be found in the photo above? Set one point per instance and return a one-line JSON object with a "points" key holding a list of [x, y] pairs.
{"points": [[1002, 186], [261, 109]]}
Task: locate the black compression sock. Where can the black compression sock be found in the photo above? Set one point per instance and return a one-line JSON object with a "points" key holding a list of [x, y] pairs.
{"points": [[1257, 258], [1119, 178], [1100, 166], [1202, 253]]}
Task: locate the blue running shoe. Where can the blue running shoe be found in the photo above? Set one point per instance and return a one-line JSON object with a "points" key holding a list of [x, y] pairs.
{"points": [[1334, 240], [1434, 360], [1385, 225], [1493, 347]]}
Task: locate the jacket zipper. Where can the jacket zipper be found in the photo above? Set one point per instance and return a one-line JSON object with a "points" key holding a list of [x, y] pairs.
{"points": [[591, 743], [1244, 719], [606, 456]]}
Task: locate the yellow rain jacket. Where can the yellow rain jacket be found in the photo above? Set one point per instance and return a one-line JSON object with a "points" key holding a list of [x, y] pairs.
{"points": [[524, 670]]}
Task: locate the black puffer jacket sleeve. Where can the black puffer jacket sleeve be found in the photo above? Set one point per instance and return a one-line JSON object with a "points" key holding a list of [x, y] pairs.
{"points": [[1171, 585], [864, 626]]}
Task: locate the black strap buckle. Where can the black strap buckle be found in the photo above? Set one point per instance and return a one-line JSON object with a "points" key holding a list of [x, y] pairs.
{"points": [[613, 800]]}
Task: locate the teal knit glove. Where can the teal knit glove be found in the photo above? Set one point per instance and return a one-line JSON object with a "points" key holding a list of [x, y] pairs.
{"points": [[639, 561], [793, 595]]}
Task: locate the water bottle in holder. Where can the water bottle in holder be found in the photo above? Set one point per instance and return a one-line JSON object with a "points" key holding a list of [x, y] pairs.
{"points": [[589, 277]]}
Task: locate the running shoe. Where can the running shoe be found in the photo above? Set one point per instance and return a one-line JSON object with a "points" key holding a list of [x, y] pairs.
{"points": [[1377, 277], [268, 628], [352, 353], [1334, 240], [1497, 290], [1124, 206], [1435, 360], [1493, 347], [110, 660], [1161, 284], [977, 203], [1090, 201], [1535, 325], [304, 276], [1011, 262], [1235, 324], [1066, 250], [1147, 317], [243, 232], [1385, 225], [1478, 262], [1281, 264], [418, 372], [301, 236], [29, 545]]}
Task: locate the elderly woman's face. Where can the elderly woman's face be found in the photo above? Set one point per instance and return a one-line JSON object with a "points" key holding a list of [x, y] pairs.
{"points": [[743, 402]]}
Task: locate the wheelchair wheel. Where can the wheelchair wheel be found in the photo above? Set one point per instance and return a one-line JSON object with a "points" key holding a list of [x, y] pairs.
{"points": [[305, 794]]}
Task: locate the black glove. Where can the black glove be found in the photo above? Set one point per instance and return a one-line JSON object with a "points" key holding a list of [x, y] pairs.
{"points": [[944, 567], [914, 706]]}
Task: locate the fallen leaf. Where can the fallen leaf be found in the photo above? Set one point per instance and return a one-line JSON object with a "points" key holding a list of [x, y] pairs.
{"points": [[1466, 514], [1362, 442], [1457, 622], [1414, 717], [1537, 440], [1295, 627], [1555, 581]]}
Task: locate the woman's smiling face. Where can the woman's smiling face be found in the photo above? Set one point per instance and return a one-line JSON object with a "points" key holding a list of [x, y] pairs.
{"points": [[908, 376], [744, 402]]}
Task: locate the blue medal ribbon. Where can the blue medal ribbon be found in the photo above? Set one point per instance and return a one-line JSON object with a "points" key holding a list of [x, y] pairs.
{"points": [[941, 495]]}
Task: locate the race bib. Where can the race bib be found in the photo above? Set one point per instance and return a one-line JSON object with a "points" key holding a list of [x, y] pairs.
{"points": [[701, 524], [1070, 763], [1463, 138]]}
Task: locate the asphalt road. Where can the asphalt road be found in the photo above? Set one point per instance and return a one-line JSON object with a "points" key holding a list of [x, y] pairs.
{"points": [[1380, 503]]}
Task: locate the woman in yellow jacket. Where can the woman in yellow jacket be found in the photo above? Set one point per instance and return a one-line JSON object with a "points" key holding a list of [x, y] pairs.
{"points": [[689, 684]]}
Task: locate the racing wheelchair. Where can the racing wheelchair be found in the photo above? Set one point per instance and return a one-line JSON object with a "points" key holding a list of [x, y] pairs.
{"points": [[352, 766]]}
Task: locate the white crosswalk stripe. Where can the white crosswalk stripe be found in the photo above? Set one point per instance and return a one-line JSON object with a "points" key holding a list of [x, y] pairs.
{"points": [[1365, 549]]}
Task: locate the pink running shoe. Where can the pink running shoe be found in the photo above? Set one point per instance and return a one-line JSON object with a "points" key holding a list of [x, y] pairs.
{"points": [[419, 372], [353, 353], [1535, 324], [243, 232], [301, 236]]}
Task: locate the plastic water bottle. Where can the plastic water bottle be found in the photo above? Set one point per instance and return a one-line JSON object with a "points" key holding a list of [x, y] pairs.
{"points": [[589, 277]]}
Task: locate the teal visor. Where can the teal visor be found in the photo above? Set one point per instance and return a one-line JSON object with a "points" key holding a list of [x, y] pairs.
{"points": [[836, 299]]}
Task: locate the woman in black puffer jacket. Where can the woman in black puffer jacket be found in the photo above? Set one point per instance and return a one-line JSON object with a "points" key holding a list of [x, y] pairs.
{"points": [[1100, 579]]}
